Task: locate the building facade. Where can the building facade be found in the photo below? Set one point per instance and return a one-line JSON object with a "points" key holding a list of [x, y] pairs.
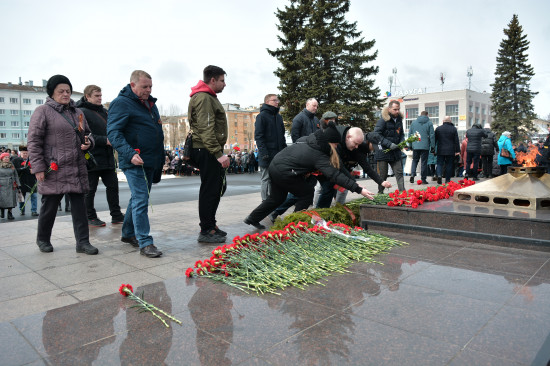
{"points": [[17, 103], [465, 107]]}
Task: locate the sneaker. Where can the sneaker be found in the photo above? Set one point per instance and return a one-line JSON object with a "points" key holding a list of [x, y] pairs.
{"points": [[86, 248], [257, 225], [132, 241], [96, 222], [117, 220], [150, 251], [220, 232], [411, 179], [210, 237]]}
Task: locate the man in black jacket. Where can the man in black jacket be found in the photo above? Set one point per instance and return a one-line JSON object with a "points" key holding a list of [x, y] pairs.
{"points": [[103, 154], [305, 122], [446, 141], [27, 179], [269, 133], [488, 147], [473, 150]]}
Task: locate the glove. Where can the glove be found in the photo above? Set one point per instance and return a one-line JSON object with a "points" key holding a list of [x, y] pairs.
{"points": [[394, 146]]}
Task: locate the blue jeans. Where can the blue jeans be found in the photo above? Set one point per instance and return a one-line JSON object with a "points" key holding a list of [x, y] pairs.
{"points": [[136, 220], [421, 155], [33, 202]]}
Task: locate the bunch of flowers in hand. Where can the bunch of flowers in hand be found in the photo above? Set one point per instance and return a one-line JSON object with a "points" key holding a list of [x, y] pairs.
{"points": [[413, 198], [295, 256], [406, 142], [128, 291], [53, 167]]}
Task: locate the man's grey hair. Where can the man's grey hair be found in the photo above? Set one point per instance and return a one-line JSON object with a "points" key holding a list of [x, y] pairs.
{"points": [[136, 74]]}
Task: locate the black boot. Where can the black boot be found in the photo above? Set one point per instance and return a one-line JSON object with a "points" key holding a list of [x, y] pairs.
{"points": [[10, 216], [2, 214], [86, 248]]}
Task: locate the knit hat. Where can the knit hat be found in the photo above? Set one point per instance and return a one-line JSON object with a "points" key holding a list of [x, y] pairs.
{"points": [[507, 133], [332, 133], [55, 81], [22, 148], [3, 155], [329, 115]]}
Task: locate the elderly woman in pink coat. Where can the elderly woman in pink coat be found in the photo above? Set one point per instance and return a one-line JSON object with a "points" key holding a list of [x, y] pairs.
{"points": [[57, 142]]}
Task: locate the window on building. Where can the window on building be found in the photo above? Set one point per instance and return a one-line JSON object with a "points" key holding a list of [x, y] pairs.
{"points": [[3, 136], [477, 110], [483, 122], [471, 108], [40, 101], [14, 123], [1, 99], [2, 111], [482, 110], [27, 113], [14, 100], [410, 115], [2, 123], [451, 110], [15, 135], [433, 114], [236, 124], [469, 122], [477, 121], [26, 135], [14, 112], [26, 101], [26, 123]]}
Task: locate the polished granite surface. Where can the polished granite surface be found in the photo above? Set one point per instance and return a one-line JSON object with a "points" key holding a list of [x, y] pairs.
{"points": [[432, 302]]}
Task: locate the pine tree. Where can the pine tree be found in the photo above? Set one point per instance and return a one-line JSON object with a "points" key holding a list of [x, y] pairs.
{"points": [[512, 98], [324, 56]]}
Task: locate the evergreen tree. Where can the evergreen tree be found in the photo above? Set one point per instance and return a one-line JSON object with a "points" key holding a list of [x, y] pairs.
{"points": [[512, 98], [324, 56]]}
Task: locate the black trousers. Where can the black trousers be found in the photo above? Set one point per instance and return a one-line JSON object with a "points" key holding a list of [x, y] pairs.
{"points": [[110, 181], [48, 212], [487, 164], [213, 186], [472, 157], [302, 188]]}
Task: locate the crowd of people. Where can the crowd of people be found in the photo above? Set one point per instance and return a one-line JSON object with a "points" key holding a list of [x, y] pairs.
{"points": [[71, 146]]}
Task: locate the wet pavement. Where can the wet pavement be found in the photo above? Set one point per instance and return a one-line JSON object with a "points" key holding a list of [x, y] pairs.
{"points": [[432, 302]]}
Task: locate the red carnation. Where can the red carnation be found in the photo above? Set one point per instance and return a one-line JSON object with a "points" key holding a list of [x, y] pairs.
{"points": [[53, 166], [419, 182], [189, 272], [138, 151], [123, 292]]}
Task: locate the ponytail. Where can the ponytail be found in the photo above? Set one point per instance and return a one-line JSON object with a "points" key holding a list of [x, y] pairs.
{"points": [[334, 157]]}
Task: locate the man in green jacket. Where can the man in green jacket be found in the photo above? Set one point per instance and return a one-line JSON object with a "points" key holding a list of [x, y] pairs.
{"points": [[209, 124]]}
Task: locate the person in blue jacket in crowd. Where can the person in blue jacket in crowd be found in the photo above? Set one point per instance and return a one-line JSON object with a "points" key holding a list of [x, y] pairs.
{"points": [[505, 142]]}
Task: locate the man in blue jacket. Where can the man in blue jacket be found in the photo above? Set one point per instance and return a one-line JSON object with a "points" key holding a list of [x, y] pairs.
{"points": [[134, 129], [422, 148]]}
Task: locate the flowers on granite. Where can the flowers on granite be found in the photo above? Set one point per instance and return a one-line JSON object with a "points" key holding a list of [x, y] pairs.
{"points": [[295, 256], [413, 198], [127, 290]]}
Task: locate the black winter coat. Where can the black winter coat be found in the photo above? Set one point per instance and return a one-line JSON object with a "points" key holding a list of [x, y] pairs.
{"points": [[475, 135], [269, 133], [304, 124], [388, 131], [446, 139], [489, 144], [96, 116], [26, 178], [308, 156]]}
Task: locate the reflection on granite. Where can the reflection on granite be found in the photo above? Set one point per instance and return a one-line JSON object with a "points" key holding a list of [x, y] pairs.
{"points": [[431, 302]]}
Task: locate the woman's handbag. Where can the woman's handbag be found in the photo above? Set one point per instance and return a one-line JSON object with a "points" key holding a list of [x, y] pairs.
{"points": [[504, 153]]}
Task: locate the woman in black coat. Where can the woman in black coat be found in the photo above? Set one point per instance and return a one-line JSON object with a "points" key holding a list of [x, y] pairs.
{"points": [[291, 171]]}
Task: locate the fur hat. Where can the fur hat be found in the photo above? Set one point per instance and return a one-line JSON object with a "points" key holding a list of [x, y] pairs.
{"points": [[55, 81], [22, 148]]}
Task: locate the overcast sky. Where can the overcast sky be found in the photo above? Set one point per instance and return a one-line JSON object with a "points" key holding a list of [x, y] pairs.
{"points": [[101, 42]]}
